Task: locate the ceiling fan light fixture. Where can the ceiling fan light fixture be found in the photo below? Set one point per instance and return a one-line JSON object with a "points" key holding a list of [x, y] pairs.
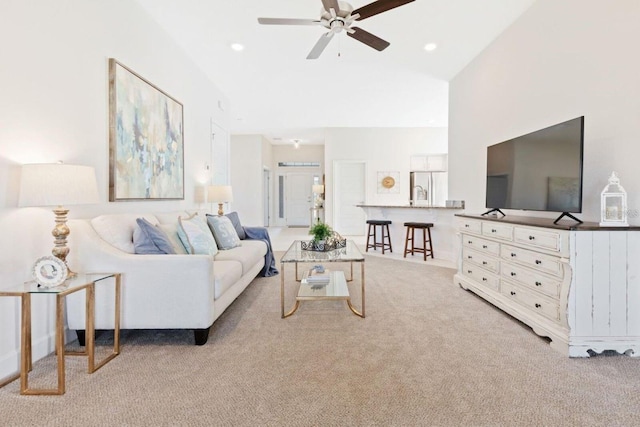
{"points": [[430, 47]]}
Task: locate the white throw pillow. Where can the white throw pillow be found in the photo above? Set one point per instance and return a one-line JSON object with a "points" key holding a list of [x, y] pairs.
{"points": [[196, 236]]}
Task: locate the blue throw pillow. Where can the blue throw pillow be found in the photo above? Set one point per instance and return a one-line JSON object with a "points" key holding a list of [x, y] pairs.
{"points": [[223, 231], [235, 220], [149, 239]]}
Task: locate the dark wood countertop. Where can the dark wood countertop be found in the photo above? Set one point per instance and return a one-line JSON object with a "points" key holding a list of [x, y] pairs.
{"points": [[406, 206], [564, 224]]}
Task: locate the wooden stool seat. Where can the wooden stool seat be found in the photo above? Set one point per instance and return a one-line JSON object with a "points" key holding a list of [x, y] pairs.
{"points": [[427, 247], [384, 225]]}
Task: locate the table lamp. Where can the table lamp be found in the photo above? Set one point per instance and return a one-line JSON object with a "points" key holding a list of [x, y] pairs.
{"points": [[57, 184], [318, 190], [219, 194]]}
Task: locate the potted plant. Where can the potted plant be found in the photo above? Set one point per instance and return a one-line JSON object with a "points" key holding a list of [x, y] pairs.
{"points": [[320, 231]]}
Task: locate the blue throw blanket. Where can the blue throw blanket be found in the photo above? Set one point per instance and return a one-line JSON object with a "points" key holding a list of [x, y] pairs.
{"points": [[261, 233]]}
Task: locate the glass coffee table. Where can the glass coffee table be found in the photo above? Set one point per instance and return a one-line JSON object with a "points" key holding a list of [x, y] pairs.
{"points": [[335, 289]]}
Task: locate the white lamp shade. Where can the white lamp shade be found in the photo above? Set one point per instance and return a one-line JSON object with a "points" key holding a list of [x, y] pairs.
{"points": [[318, 188], [219, 194], [57, 184]]}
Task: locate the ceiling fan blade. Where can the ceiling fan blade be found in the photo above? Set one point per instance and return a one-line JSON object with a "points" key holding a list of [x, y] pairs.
{"points": [[287, 21], [329, 4], [320, 45], [378, 7], [369, 39]]}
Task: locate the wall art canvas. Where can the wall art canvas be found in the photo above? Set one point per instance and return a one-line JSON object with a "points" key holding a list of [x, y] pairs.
{"points": [[146, 144]]}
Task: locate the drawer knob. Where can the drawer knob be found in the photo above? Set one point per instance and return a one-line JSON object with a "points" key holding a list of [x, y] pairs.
{"points": [[484, 246], [538, 284], [513, 254], [469, 257], [513, 274], [493, 230], [538, 305], [538, 262], [469, 242], [469, 271], [512, 293], [484, 279], [466, 226], [532, 238], [484, 262]]}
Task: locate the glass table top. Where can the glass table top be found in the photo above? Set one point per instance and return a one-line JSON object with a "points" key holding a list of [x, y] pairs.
{"points": [[295, 253], [32, 287]]}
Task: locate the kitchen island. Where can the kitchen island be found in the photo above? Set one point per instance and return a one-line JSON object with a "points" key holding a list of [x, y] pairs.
{"points": [[442, 233]]}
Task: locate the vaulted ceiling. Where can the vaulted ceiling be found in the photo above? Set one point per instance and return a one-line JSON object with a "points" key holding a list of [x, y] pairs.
{"points": [[275, 91]]}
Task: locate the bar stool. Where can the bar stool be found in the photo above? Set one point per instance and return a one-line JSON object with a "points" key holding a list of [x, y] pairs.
{"points": [[384, 224], [427, 248]]}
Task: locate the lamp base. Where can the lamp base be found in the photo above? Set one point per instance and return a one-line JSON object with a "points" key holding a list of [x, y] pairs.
{"points": [[60, 233], [220, 211]]}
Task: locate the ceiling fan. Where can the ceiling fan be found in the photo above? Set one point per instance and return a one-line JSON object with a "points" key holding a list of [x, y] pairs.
{"points": [[337, 16]]}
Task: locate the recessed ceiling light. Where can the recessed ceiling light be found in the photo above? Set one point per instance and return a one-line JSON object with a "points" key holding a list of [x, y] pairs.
{"points": [[430, 47], [237, 47]]}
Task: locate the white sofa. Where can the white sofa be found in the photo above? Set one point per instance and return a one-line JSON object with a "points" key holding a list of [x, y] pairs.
{"points": [[158, 291]]}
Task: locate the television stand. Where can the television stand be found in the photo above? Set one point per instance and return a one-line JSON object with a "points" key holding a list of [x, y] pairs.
{"points": [[493, 210], [569, 215]]}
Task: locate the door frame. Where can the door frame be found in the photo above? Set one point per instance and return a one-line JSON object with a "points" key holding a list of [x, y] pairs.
{"points": [[334, 198]]}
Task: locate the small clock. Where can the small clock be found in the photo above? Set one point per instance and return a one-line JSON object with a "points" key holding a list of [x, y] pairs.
{"points": [[388, 182], [50, 271]]}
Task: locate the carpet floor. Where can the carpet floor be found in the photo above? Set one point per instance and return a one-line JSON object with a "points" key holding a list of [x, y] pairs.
{"points": [[427, 354]]}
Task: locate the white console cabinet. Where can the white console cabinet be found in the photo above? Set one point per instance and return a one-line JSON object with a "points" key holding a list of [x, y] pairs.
{"points": [[578, 285]]}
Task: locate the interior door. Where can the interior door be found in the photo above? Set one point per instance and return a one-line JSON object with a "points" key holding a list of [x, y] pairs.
{"points": [[298, 202], [349, 190]]}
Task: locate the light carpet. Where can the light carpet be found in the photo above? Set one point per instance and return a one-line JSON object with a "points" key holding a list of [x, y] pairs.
{"points": [[428, 353]]}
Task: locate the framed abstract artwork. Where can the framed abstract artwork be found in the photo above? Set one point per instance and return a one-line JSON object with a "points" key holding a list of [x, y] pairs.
{"points": [[146, 139]]}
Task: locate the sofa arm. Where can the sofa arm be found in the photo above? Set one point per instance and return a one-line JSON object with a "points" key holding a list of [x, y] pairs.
{"points": [[158, 291]]}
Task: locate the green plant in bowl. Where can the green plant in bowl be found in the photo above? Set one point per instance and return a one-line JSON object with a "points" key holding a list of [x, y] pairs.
{"points": [[320, 231]]}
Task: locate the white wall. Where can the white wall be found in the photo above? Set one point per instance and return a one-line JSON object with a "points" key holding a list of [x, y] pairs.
{"points": [[560, 60], [54, 85], [383, 149], [246, 178]]}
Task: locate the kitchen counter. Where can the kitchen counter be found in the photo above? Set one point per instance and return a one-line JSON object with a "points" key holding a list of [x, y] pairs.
{"points": [[407, 206]]}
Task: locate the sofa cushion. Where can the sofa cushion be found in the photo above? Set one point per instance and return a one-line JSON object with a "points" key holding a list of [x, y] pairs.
{"points": [[223, 231], [248, 254], [149, 239], [196, 236], [171, 229], [226, 274], [117, 229]]}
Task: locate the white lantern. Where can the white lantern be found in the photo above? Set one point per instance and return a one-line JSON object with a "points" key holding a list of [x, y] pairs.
{"points": [[613, 207]]}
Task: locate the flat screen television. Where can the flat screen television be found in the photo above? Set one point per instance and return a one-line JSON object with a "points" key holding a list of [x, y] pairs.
{"points": [[539, 171]]}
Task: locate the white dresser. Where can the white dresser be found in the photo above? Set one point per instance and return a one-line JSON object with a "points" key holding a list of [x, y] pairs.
{"points": [[579, 285]]}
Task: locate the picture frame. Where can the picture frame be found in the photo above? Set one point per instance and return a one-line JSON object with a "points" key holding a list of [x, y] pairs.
{"points": [[146, 139], [49, 271]]}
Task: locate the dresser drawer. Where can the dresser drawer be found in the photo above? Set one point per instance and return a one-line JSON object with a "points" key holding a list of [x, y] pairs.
{"points": [[541, 283], [536, 302], [544, 263], [469, 226], [482, 260], [481, 276], [498, 231], [538, 238], [482, 245]]}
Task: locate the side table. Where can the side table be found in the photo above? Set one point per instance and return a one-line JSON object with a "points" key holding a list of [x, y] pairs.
{"points": [[77, 283]]}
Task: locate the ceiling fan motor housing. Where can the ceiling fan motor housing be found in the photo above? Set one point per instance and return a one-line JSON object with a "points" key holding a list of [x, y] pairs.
{"points": [[345, 10]]}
